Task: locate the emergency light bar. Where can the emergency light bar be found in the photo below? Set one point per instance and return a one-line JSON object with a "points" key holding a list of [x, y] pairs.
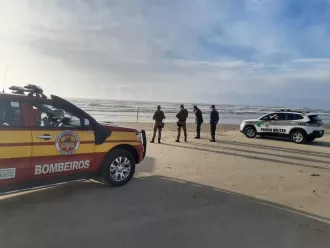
{"points": [[31, 89], [17, 90]]}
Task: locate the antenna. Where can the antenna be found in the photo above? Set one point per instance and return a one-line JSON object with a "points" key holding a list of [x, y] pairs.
{"points": [[4, 81]]}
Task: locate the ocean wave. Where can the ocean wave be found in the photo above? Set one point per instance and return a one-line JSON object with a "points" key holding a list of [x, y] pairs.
{"points": [[127, 110]]}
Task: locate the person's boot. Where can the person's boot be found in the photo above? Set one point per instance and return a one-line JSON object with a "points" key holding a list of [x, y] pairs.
{"points": [[158, 141], [213, 139], [152, 141], [177, 140], [197, 137], [185, 140]]}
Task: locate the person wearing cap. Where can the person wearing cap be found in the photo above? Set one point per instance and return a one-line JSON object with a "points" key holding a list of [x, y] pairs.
{"points": [[214, 119], [182, 116], [198, 121], [158, 118]]}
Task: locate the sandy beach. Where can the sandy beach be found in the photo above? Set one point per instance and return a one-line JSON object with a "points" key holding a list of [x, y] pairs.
{"points": [[279, 171], [237, 192]]}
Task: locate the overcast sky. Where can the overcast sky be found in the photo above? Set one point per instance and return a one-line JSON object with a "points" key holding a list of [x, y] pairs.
{"points": [[269, 52]]}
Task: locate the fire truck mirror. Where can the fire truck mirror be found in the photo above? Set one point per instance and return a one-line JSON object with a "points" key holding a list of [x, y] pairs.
{"points": [[86, 122]]}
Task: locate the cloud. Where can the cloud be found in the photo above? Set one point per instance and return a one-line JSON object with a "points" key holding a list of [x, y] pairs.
{"points": [[173, 50], [313, 60]]}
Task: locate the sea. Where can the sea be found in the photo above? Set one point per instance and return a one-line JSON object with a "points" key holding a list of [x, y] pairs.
{"points": [[140, 111]]}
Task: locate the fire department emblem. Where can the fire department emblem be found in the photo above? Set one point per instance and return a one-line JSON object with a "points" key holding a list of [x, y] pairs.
{"points": [[67, 142]]}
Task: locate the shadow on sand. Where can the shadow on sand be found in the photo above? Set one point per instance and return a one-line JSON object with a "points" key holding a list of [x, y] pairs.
{"points": [[153, 212]]}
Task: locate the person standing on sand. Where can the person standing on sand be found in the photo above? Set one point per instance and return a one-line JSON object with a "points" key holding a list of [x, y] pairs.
{"points": [[182, 116], [158, 118], [198, 121], [214, 119]]}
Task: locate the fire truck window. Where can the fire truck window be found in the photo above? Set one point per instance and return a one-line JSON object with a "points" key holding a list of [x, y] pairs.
{"points": [[10, 114], [54, 117]]}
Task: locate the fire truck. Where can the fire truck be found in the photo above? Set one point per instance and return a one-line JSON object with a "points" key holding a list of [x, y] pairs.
{"points": [[47, 141]]}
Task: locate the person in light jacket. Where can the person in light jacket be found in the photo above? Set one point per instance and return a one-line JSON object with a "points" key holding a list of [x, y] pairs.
{"points": [[198, 121], [158, 118], [214, 119]]}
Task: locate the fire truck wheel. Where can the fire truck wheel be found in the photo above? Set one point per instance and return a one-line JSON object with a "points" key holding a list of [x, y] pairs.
{"points": [[118, 167]]}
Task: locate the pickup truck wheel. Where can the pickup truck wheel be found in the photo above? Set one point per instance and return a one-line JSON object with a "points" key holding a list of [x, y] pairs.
{"points": [[118, 167]]}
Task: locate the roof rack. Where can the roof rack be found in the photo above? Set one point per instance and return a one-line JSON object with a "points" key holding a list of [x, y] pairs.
{"points": [[285, 110], [31, 89], [295, 111]]}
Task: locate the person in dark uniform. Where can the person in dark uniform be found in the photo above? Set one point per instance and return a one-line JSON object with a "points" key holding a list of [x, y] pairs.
{"points": [[214, 119], [158, 118], [182, 116], [198, 121]]}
